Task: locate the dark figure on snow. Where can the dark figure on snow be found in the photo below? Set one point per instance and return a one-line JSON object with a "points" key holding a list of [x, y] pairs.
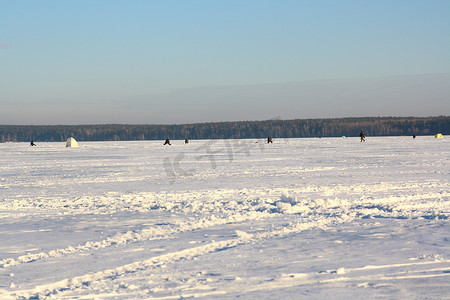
{"points": [[362, 136], [32, 143], [186, 141], [414, 136], [167, 142], [269, 140]]}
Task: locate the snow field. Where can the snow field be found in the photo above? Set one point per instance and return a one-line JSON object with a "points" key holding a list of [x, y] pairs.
{"points": [[299, 218]]}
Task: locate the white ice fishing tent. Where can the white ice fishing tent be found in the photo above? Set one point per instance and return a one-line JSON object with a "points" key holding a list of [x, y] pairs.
{"points": [[71, 142]]}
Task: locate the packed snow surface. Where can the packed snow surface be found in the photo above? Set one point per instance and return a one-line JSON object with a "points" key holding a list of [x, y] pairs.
{"points": [[296, 219]]}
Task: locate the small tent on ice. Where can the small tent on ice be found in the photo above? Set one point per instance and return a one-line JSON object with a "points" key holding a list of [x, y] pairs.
{"points": [[71, 142], [439, 136]]}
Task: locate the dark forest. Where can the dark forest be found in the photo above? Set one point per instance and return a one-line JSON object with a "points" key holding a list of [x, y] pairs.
{"points": [[372, 126]]}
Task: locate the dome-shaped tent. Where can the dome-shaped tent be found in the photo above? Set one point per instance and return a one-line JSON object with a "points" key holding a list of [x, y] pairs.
{"points": [[71, 142], [439, 136]]}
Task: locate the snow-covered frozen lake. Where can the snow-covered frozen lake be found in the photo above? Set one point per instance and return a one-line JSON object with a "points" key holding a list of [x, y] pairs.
{"points": [[296, 219]]}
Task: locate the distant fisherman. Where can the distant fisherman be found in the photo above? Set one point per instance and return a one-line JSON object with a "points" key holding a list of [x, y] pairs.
{"points": [[269, 140], [167, 142], [362, 136], [32, 143]]}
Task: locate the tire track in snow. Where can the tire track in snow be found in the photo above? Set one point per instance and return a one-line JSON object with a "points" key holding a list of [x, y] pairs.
{"points": [[84, 281], [341, 276], [133, 236], [392, 207]]}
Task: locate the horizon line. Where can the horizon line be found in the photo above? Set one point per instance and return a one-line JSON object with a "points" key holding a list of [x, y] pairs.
{"points": [[240, 121]]}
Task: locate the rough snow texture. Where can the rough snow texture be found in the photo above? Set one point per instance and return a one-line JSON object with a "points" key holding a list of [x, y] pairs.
{"points": [[300, 218]]}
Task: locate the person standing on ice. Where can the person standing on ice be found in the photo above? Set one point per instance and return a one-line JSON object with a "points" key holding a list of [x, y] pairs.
{"points": [[362, 136], [167, 142]]}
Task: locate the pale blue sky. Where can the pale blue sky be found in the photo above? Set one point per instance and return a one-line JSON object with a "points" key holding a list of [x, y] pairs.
{"points": [[73, 62]]}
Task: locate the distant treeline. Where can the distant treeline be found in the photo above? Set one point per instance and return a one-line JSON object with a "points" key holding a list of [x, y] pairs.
{"points": [[373, 126]]}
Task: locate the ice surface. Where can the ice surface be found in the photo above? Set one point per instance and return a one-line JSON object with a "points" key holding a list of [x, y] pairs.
{"points": [[299, 218]]}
